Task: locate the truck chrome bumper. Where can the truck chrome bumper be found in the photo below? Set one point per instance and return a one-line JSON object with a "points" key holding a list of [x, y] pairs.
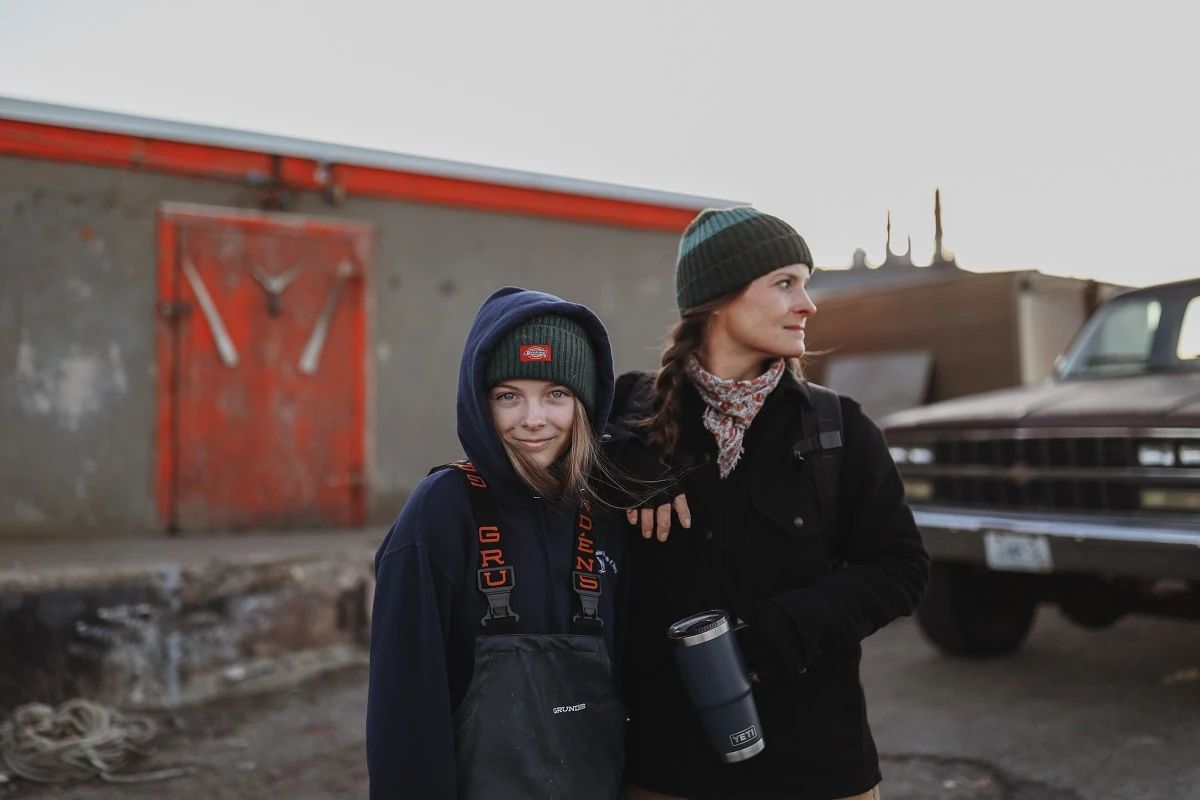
{"points": [[1093, 545]]}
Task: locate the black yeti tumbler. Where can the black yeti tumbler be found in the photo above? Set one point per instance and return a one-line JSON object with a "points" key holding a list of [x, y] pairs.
{"points": [[715, 675]]}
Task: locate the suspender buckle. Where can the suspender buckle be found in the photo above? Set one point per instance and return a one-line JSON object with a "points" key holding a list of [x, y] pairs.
{"points": [[587, 586], [497, 584]]}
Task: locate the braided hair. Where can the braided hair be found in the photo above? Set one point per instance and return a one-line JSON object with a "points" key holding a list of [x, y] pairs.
{"points": [[661, 421]]}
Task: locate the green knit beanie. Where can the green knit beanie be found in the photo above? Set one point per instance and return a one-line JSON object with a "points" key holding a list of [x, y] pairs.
{"points": [[723, 249], [546, 348]]}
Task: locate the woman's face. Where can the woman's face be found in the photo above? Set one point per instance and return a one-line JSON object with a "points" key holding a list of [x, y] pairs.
{"points": [[768, 318], [533, 417]]}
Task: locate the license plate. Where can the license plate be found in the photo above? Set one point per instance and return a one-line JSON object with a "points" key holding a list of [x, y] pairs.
{"points": [[1017, 552]]}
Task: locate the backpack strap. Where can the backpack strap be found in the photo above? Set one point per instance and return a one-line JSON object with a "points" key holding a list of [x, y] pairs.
{"points": [[822, 428]]}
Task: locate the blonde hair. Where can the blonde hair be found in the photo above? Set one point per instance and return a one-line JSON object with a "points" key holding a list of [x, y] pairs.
{"points": [[571, 473]]}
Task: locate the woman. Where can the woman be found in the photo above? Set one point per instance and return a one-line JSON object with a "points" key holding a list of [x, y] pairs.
{"points": [[797, 526], [498, 596]]}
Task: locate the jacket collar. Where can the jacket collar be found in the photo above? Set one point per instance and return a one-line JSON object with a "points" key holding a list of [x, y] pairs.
{"points": [[789, 383]]}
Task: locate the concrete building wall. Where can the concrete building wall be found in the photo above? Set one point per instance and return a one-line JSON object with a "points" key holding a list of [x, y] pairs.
{"points": [[77, 316]]}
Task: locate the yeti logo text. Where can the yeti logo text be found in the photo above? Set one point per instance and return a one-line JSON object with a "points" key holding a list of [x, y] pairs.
{"points": [[742, 737], [536, 352], [568, 709]]}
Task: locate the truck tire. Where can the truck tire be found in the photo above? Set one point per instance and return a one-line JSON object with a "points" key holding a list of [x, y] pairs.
{"points": [[1096, 603], [971, 611]]}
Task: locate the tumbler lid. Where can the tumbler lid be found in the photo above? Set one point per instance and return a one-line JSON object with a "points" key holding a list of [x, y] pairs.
{"points": [[699, 628]]}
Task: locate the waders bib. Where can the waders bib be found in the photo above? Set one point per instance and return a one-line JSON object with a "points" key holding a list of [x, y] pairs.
{"points": [[540, 718]]}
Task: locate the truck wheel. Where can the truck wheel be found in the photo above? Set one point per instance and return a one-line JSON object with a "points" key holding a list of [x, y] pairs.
{"points": [[1096, 603], [971, 611]]}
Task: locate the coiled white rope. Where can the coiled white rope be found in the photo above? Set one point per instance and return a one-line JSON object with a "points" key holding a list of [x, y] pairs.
{"points": [[78, 740]]}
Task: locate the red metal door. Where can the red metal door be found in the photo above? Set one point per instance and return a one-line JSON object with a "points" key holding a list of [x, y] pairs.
{"points": [[262, 362]]}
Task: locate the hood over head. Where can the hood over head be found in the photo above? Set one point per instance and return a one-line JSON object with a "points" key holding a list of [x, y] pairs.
{"points": [[500, 313]]}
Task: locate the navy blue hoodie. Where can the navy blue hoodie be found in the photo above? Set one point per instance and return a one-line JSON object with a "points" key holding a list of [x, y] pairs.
{"points": [[427, 608]]}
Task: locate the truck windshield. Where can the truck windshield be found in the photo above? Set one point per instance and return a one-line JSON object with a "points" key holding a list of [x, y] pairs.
{"points": [[1146, 332]]}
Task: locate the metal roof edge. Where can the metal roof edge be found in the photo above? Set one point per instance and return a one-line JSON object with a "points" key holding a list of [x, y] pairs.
{"points": [[43, 113]]}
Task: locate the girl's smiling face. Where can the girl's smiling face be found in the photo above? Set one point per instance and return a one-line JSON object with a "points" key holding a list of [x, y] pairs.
{"points": [[533, 417]]}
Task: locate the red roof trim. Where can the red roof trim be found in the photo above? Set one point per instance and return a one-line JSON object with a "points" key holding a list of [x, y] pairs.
{"points": [[58, 143]]}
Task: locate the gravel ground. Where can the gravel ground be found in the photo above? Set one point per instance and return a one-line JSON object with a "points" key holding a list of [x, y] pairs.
{"points": [[1076, 715], [305, 743]]}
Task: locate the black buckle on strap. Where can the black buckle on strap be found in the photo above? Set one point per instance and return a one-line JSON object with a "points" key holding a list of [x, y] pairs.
{"points": [[830, 440], [497, 584], [589, 600]]}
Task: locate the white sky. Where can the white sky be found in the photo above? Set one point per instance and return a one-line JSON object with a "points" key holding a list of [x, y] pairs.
{"points": [[1065, 137]]}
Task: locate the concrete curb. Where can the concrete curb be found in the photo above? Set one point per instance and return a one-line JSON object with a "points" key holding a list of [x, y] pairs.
{"points": [[172, 622]]}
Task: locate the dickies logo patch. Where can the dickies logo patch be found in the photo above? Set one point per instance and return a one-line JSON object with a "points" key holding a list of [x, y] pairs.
{"points": [[535, 352]]}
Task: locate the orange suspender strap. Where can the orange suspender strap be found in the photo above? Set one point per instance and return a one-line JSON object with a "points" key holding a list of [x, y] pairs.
{"points": [[585, 578], [496, 578]]}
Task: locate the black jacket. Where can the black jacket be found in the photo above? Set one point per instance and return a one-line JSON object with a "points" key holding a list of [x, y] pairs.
{"points": [[759, 547]]}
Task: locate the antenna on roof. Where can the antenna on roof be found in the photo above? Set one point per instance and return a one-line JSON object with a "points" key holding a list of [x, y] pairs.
{"points": [[939, 253], [937, 225]]}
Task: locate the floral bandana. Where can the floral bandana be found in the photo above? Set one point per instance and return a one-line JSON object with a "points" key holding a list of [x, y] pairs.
{"points": [[732, 406]]}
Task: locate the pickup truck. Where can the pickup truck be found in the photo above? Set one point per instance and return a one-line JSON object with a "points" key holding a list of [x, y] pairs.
{"points": [[1081, 492]]}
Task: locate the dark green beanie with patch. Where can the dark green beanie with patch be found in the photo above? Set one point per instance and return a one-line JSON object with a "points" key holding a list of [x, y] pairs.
{"points": [[550, 347], [723, 249]]}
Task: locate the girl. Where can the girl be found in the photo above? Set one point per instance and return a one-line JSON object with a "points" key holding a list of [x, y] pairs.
{"points": [[797, 525], [498, 591]]}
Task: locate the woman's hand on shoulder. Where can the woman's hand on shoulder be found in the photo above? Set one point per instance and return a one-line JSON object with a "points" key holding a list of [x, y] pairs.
{"points": [[656, 520], [641, 471]]}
